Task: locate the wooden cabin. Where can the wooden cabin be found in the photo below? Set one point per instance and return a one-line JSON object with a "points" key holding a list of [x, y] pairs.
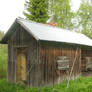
{"points": [[42, 55]]}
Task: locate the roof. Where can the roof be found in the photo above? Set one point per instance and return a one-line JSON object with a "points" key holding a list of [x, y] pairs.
{"points": [[49, 33]]}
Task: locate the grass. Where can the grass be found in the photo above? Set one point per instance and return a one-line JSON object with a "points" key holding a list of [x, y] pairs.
{"points": [[79, 85]]}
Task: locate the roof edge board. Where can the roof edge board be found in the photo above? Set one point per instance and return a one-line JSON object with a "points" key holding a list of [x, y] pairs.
{"points": [[67, 43], [27, 29]]}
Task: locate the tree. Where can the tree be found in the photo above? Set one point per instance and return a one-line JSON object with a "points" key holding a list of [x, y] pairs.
{"points": [[1, 34], [84, 16], [62, 14], [37, 10]]}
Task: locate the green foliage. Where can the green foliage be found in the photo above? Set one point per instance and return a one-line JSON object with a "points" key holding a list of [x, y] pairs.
{"points": [[3, 58], [84, 16], [3, 61], [79, 85], [1, 34], [6, 87], [37, 10], [62, 13]]}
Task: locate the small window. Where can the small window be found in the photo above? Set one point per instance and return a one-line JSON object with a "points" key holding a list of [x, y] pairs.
{"points": [[63, 62], [88, 63]]}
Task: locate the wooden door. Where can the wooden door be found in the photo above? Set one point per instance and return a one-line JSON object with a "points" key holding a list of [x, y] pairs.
{"points": [[21, 65]]}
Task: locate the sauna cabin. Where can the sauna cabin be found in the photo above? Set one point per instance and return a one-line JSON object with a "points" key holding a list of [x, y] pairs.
{"points": [[43, 55]]}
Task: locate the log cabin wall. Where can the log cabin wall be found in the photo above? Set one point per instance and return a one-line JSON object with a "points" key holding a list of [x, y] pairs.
{"points": [[48, 56], [85, 53], [22, 39]]}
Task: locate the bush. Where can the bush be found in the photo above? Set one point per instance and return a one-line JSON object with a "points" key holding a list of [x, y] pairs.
{"points": [[3, 61]]}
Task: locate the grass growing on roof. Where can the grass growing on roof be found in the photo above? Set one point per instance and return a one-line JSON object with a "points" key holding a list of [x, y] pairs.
{"points": [[79, 85]]}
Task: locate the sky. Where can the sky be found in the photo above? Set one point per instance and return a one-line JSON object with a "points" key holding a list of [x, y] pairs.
{"points": [[11, 9]]}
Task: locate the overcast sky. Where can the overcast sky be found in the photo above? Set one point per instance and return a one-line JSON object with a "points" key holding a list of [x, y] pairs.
{"points": [[11, 9]]}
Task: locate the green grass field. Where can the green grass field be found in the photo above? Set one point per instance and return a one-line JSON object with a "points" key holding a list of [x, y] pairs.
{"points": [[78, 85]]}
